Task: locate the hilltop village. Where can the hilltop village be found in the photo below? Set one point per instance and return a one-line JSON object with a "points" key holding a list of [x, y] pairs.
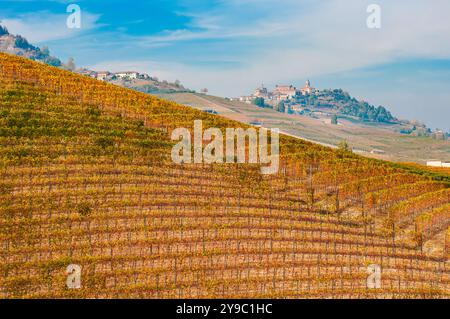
{"points": [[280, 93], [310, 101], [331, 105]]}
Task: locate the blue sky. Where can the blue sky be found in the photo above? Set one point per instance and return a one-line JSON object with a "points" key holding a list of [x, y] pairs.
{"points": [[231, 46]]}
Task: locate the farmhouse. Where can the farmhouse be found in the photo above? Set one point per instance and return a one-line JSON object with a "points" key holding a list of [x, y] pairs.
{"points": [[127, 74], [88, 73], [438, 164], [103, 75], [246, 99], [284, 92], [377, 151], [262, 92]]}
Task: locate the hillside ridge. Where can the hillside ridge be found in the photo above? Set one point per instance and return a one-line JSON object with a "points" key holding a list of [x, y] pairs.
{"points": [[18, 45]]}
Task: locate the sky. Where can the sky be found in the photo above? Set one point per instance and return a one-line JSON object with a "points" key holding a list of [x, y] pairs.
{"points": [[232, 46]]}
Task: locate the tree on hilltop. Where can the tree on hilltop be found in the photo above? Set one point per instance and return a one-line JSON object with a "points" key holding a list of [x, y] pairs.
{"points": [[344, 147], [70, 65], [281, 107], [259, 101], [334, 119], [45, 51], [3, 30], [22, 43]]}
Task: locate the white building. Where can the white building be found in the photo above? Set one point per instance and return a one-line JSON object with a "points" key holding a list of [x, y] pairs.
{"points": [[127, 74], [246, 99], [103, 75], [377, 151], [88, 73], [438, 164]]}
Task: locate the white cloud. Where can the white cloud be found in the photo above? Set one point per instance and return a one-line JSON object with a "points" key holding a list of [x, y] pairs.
{"points": [[44, 26], [306, 39]]}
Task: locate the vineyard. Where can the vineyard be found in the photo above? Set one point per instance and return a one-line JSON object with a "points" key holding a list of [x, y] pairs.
{"points": [[87, 179]]}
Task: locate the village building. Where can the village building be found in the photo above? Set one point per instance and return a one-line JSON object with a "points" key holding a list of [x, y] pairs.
{"points": [[297, 108], [104, 75], [307, 89], [246, 99], [284, 92], [262, 92], [377, 151], [438, 164], [89, 73], [127, 74], [280, 93]]}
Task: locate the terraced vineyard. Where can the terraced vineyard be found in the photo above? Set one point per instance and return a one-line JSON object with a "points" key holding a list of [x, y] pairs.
{"points": [[86, 178]]}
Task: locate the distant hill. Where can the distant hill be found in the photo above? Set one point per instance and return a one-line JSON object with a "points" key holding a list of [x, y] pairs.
{"points": [[334, 104], [18, 45], [344, 104], [308, 100]]}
